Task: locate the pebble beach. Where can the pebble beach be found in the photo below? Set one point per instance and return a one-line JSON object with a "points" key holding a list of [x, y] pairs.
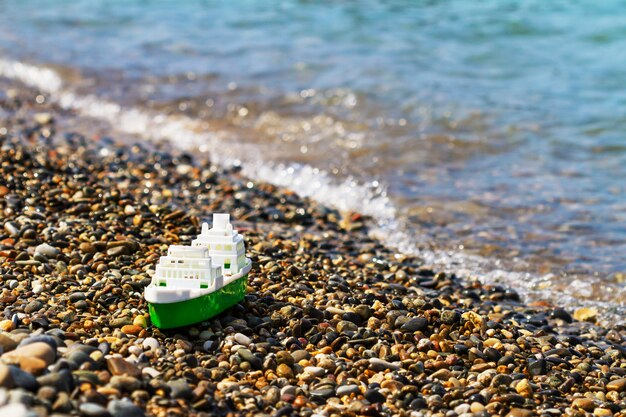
{"points": [[334, 323]]}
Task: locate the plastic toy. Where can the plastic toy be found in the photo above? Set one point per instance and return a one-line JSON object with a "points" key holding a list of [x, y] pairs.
{"points": [[194, 283]]}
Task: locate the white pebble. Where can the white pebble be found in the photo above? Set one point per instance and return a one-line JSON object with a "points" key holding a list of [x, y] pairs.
{"points": [[153, 373], [135, 350], [150, 343], [242, 339], [462, 408], [15, 410], [315, 371]]}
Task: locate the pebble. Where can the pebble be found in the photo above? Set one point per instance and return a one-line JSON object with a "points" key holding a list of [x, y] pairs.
{"points": [[125, 383], [415, 324], [140, 321], [477, 407], [272, 395], [284, 371], [44, 338], [33, 306], [47, 250], [150, 343], [7, 343], [561, 313], [61, 380], [43, 118], [589, 314], [179, 388], [119, 366], [151, 372], [462, 409], [501, 379], [131, 329], [33, 358], [299, 355], [523, 388], [288, 390], [22, 379], [347, 390], [315, 371], [93, 410], [618, 385], [122, 408], [583, 404], [520, 412], [7, 325], [374, 396], [242, 339], [120, 322], [377, 364], [16, 410], [537, 367], [442, 374], [345, 326], [247, 356], [63, 404], [6, 380], [322, 393]]}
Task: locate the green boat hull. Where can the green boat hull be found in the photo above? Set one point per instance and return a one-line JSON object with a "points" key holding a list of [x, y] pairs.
{"points": [[195, 310]]}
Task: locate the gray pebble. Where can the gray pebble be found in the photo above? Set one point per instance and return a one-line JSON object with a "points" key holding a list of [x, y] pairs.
{"points": [[51, 340], [180, 388], [121, 408], [415, 324], [23, 379], [347, 390], [93, 410], [47, 250], [247, 356], [61, 380]]}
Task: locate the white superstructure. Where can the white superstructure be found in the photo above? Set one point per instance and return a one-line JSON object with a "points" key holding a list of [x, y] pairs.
{"points": [[225, 245], [186, 267]]}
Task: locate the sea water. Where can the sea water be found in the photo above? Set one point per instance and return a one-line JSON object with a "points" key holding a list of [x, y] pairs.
{"points": [[486, 137]]}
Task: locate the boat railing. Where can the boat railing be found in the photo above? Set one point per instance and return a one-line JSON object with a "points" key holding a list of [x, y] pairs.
{"points": [[185, 277], [193, 262]]}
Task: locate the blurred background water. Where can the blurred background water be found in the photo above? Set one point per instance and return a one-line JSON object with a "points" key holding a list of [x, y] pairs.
{"points": [[494, 130]]}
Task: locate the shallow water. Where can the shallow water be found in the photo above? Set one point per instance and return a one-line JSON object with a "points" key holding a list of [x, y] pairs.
{"points": [[484, 136]]}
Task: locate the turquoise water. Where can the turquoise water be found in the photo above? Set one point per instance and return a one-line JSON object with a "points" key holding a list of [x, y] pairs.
{"points": [[495, 128]]}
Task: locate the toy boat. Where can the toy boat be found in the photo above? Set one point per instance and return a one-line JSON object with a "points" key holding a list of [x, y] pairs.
{"points": [[194, 283]]}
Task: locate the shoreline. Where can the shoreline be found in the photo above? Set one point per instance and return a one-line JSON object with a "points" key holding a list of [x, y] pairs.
{"points": [[103, 117], [334, 323]]}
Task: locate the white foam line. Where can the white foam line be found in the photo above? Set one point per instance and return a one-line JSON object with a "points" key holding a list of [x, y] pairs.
{"points": [[187, 134], [44, 79], [308, 181]]}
